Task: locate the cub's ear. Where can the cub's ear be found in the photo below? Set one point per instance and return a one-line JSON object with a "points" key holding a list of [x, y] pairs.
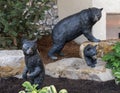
{"points": [[35, 40], [23, 40], [88, 47], [101, 9]]}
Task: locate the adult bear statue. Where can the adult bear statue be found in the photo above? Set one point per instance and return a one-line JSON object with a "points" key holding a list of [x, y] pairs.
{"points": [[73, 26]]}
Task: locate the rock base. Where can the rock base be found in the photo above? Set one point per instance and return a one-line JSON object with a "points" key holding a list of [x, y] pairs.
{"points": [[11, 62], [76, 68], [103, 47]]}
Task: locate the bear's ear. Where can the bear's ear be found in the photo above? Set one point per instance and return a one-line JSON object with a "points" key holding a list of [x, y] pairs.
{"points": [[88, 47], [23, 40], [101, 9]]}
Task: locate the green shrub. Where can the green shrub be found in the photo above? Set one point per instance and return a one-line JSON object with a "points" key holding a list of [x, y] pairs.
{"points": [[33, 89], [19, 17], [113, 61]]}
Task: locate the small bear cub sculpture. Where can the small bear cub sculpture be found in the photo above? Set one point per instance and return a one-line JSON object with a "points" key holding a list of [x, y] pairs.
{"points": [[90, 53], [73, 26], [34, 70]]}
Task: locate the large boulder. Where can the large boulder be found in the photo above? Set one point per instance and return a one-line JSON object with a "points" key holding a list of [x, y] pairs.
{"points": [[11, 62], [76, 68]]}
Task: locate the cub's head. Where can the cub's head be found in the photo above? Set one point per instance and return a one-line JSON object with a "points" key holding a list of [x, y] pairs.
{"points": [[90, 51], [29, 47], [96, 13]]}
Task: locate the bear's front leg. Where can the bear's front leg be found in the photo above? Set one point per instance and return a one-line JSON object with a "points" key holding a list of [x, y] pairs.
{"points": [[24, 75], [88, 61], [33, 74], [90, 36], [94, 61]]}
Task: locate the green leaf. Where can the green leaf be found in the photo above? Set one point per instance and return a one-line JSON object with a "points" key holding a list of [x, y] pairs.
{"points": [[28, 86], [14, 34], [117, 74], [53, 89], [43, 90], [22, 91], [63, 91]]}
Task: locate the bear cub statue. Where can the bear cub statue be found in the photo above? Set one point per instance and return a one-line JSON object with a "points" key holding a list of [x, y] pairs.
{"points": [[90, 53], [34, 70], [73, 26]]}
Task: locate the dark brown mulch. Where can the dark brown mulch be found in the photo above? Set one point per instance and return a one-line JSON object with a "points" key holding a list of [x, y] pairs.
{"points": [[13, 85], [71, 49]]}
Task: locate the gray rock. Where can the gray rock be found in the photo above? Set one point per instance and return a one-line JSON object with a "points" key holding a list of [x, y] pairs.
{"points": [[40, 22], [76, 68], [11, 62], [55, 21], [50, 17], [55, 6], [49, 22]]}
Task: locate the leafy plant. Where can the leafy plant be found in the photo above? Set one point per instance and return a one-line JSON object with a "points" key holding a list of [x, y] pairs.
{"points": [[113, 61], [33, 89], [6, 42], [20, 17]]}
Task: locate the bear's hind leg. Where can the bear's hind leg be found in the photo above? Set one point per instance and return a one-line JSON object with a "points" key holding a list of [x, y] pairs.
{"points": [[52, 51], [60, 49], [56, 48]]}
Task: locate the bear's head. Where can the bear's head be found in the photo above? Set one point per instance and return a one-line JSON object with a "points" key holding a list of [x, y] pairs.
{"points": [[96, 13], [29, 47], [90, 50]]}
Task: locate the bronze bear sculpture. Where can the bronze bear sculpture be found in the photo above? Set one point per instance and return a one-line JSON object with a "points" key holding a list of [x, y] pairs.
{"points": [[73, 26], [34, 70], [90, 53]]}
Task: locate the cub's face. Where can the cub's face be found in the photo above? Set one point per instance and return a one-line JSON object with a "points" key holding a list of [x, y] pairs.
{"points": [[29, 47], [96, 14], [90, 50]]}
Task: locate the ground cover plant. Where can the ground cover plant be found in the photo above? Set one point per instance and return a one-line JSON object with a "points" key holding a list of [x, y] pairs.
{"points": [[29, 88], [113, 61]]}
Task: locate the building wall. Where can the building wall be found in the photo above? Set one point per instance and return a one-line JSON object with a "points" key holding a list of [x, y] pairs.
{"points": [[110, 6], [99, 29], [66, 8]]}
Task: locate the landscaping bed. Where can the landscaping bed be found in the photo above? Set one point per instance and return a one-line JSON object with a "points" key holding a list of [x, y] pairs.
{"points": [[14, 85]]}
